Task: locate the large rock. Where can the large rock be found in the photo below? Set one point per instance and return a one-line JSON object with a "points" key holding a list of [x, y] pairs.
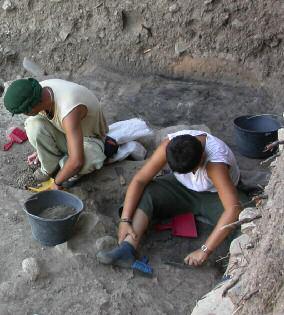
{"points": [[214, 304]]}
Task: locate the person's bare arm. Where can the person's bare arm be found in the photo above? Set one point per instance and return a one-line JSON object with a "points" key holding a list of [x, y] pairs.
{"points": [[219, 174], [74, 136], [138, 184]]}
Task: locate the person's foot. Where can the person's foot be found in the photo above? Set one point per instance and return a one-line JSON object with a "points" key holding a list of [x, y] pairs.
{"points": [[40, 177], [122, 256]]}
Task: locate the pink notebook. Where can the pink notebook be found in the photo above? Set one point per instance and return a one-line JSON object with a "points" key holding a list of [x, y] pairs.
{"points": [[181, 225]]}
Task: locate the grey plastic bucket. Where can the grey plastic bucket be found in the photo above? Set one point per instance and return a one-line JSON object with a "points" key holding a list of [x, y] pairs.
{"points": [[254, 132], [50, 232]]}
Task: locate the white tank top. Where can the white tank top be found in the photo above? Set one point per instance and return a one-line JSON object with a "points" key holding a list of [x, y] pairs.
{"points": [[216, 151], [68, 95]]}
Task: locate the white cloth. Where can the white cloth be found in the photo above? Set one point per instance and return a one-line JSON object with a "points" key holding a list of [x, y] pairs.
{"points": [[133, 148], [129, 130], [215, 151], [125, 132], [67, 96]]}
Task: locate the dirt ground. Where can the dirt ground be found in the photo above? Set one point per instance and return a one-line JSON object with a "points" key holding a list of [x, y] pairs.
{"points": [[235, 40], [70, 280]]}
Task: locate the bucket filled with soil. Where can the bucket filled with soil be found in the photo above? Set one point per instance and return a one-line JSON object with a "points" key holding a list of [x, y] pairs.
{"points": [[53, 215]]}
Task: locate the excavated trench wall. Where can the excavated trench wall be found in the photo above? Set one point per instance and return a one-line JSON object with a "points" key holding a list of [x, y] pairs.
{"points": [[239, 41], [236, 41]]}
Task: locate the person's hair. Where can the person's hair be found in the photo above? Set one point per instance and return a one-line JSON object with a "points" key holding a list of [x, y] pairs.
{"points": [[184, 153]]}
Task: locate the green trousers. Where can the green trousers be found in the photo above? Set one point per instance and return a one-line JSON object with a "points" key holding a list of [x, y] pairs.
{"points": [[166, 197], [51, 146]]}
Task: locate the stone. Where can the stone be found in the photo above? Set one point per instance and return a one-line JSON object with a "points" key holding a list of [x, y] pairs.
{"points": [[248, 228], [32, 67], [180, 47], [65, 32], [105, 243], [64, 249], [174, 8], [239, 244], [9, 53], [8, 5], [248, 213], [237, 23], [214, 304], [31, 268]]}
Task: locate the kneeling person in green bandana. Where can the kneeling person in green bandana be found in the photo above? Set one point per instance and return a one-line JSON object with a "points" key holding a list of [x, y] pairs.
{"points": [[67, 127]]}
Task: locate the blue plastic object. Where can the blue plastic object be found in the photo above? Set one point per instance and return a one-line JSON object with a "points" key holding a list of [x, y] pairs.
{"points": [[50, 232], [143, 266], [254, 132]]}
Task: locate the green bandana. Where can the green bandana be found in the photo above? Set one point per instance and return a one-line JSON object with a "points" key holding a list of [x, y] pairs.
{"points": [[22, 95]]}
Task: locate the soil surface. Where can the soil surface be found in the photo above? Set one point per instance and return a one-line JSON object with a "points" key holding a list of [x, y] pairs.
{"points": [[70, 271], [237, 45], [232, 40], [57, 212]]}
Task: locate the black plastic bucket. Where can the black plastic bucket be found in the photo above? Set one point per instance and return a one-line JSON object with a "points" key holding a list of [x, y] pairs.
{"points": [[254, 132], [50, 232]]}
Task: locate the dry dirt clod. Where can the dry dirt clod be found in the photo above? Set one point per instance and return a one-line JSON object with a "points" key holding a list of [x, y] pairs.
{"points": [[31, 268]]}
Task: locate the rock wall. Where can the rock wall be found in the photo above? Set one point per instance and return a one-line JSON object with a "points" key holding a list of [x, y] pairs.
{"points": [[253, 282], [233, 40]]}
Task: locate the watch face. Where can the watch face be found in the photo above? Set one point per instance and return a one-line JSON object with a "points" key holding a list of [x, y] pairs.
{"points": [[204, 248]]}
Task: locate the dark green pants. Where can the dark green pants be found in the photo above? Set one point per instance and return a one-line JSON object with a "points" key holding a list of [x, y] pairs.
{"points": [[166, 197]]}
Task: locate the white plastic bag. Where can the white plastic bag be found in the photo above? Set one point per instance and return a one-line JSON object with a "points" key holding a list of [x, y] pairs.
{"points": [[128, 130], [133, 148]]}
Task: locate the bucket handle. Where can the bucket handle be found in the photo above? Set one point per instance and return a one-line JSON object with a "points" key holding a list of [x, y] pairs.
{"points": [[259, 115]]}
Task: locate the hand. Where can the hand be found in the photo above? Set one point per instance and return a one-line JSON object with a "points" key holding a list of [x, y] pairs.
{"points": [[196, 258], [56, 187], [125, 229], [33, 159]]}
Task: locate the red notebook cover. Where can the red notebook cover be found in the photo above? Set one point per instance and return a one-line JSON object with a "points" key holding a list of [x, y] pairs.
{"points": [[181, 225]]}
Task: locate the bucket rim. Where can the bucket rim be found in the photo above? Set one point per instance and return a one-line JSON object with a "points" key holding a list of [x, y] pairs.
{"points": [[52, 220], [252, 116]]}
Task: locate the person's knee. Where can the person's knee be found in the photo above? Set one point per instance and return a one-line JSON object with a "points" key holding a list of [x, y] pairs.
{"points": [[146, 203], [35, 126]]}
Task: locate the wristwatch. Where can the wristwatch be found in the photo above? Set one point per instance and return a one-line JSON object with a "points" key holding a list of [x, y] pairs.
{"points": [[205, 249]]}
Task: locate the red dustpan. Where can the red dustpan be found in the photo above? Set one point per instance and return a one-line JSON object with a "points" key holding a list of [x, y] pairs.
{"points": [[181, 225], [16, 135]]}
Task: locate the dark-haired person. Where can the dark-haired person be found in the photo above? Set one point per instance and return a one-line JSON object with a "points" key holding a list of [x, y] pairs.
{"points": [[204, 179], [67, 127]]}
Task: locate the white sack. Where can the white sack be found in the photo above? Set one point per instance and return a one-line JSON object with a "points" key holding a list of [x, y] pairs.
{"points": [[128, 130]]}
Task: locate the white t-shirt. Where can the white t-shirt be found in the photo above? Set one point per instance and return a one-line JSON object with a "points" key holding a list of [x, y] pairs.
{"points": [[68, 95], [215, 151]]}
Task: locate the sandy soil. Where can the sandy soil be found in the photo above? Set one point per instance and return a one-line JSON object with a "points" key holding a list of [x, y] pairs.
{"points": [[70, 280]]}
